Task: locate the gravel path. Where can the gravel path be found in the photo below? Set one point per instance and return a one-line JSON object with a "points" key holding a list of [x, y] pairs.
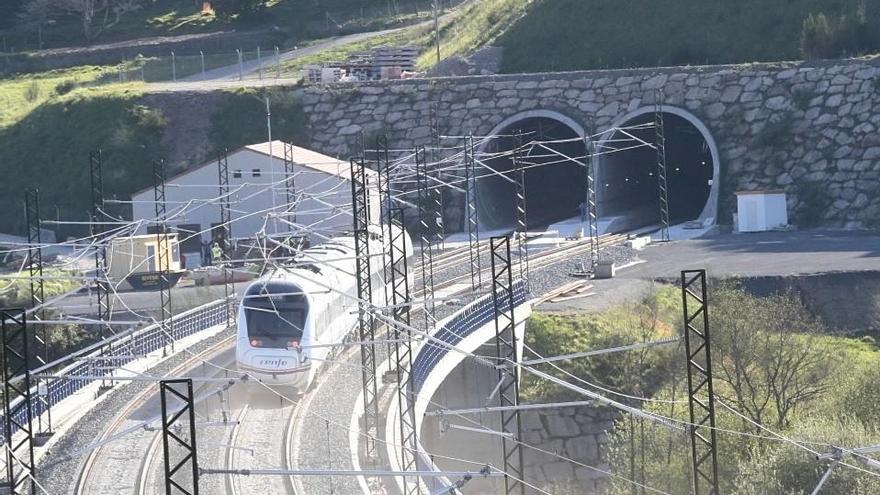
{"points": [[323, 421]]}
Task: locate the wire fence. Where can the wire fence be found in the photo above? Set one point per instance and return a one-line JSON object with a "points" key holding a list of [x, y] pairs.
{"points": [[126, 347], [258, 63]]}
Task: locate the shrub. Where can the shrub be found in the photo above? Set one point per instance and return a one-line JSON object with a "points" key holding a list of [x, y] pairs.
{"points": [[228, 9], [848, 35], [65, 87], [802, 97], [814, 200], [775, 131]]}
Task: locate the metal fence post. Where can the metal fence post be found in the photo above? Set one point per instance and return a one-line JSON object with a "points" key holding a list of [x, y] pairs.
{"points": [[173, 67], [202, 57]]}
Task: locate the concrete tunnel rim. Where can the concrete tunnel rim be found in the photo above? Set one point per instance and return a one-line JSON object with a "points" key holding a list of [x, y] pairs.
{"points": [[709, 213], [528, 114]]}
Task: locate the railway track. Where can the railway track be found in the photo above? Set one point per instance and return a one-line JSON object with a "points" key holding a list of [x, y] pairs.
{"points": [[537, 260], [268, 429], [108, 469]]}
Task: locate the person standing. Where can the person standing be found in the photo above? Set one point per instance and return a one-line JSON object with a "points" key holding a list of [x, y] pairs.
{"points": [[216, 254]]}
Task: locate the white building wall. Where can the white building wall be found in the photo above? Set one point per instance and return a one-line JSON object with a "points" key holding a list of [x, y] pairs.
{"points": [[325, 208]]}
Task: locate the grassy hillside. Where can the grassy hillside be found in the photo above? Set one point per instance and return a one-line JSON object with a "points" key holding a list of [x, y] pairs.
{"points": [[45, 143], [773, 362], [587, 34], [296, 19]]}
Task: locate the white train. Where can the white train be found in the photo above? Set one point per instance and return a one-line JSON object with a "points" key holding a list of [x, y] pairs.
{"points": [[290, 320]]}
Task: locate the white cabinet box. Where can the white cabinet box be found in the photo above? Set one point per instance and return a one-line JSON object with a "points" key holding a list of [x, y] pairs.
{"points": [[759, 211]]}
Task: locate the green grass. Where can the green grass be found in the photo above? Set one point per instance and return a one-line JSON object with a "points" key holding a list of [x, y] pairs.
{"points": [[296, 20], [15, 290], [49, 148], [476, 25], [20, 95]]}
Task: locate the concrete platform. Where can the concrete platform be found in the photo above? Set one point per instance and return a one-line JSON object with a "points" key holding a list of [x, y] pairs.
{"points": [[764, 253], [793, 260]]}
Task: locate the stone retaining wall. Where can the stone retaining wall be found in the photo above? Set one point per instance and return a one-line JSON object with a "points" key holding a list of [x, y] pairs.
{"points": [[578, 433], [810, 129]]}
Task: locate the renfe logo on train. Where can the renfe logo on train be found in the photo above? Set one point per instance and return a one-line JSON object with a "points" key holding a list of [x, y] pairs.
{"points": [[273, 362]]}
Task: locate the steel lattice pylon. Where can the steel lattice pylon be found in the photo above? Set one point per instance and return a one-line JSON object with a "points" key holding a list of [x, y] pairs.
{"points": [[177, 436], [520, 206], [289, 182], [366, 321], [426, 236], [400, 299], [591, 210], [97, 227], [225, 235], [437, 194], [508, 374], [473, 228], [19, 453], [662, 190], [383, 167], [701, 398], [37, 292], [163, 255]]}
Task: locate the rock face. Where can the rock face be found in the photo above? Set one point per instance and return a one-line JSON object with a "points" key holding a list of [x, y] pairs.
{"points": [[810, 129], [576, 433]]}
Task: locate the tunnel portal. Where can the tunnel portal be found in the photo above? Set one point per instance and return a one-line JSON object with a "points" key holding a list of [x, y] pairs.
{"points": [[627, 176], [555, 185]]}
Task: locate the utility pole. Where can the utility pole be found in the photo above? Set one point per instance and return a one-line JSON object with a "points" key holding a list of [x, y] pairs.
{"points": [[436, 28]]}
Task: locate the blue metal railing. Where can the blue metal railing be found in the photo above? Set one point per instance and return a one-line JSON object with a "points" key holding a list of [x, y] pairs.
{"points": [[475, 315], [126, 348]]}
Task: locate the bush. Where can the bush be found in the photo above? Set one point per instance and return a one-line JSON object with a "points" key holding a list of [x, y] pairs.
{"points": [[65, 87], [848, 35], [814, 201], [778, 467], [229, 9], [776, 131]]}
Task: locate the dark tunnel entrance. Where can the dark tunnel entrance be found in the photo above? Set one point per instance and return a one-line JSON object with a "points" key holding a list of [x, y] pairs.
{"points": [[555, 186], [627, 180]]}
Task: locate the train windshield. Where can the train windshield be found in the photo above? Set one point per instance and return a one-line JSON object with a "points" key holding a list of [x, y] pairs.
{"points": [[276, 320]]}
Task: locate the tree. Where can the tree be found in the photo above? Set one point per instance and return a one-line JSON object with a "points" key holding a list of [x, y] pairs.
{"points": [[96, 16], [769, 353], [227, 9]]}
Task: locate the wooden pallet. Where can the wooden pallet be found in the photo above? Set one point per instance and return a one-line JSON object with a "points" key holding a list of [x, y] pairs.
{"points": [[568, 292]]}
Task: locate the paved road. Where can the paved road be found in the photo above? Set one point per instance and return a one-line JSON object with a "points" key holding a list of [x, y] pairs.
{"points": [[233, 76], [766, 253]]}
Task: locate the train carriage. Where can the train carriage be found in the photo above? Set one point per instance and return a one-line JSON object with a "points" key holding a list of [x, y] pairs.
{"points": [[290, 320]]}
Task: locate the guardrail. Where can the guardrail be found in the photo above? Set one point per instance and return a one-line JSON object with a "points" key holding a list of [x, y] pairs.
{"points": [[475, 315], [126, 347]]}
